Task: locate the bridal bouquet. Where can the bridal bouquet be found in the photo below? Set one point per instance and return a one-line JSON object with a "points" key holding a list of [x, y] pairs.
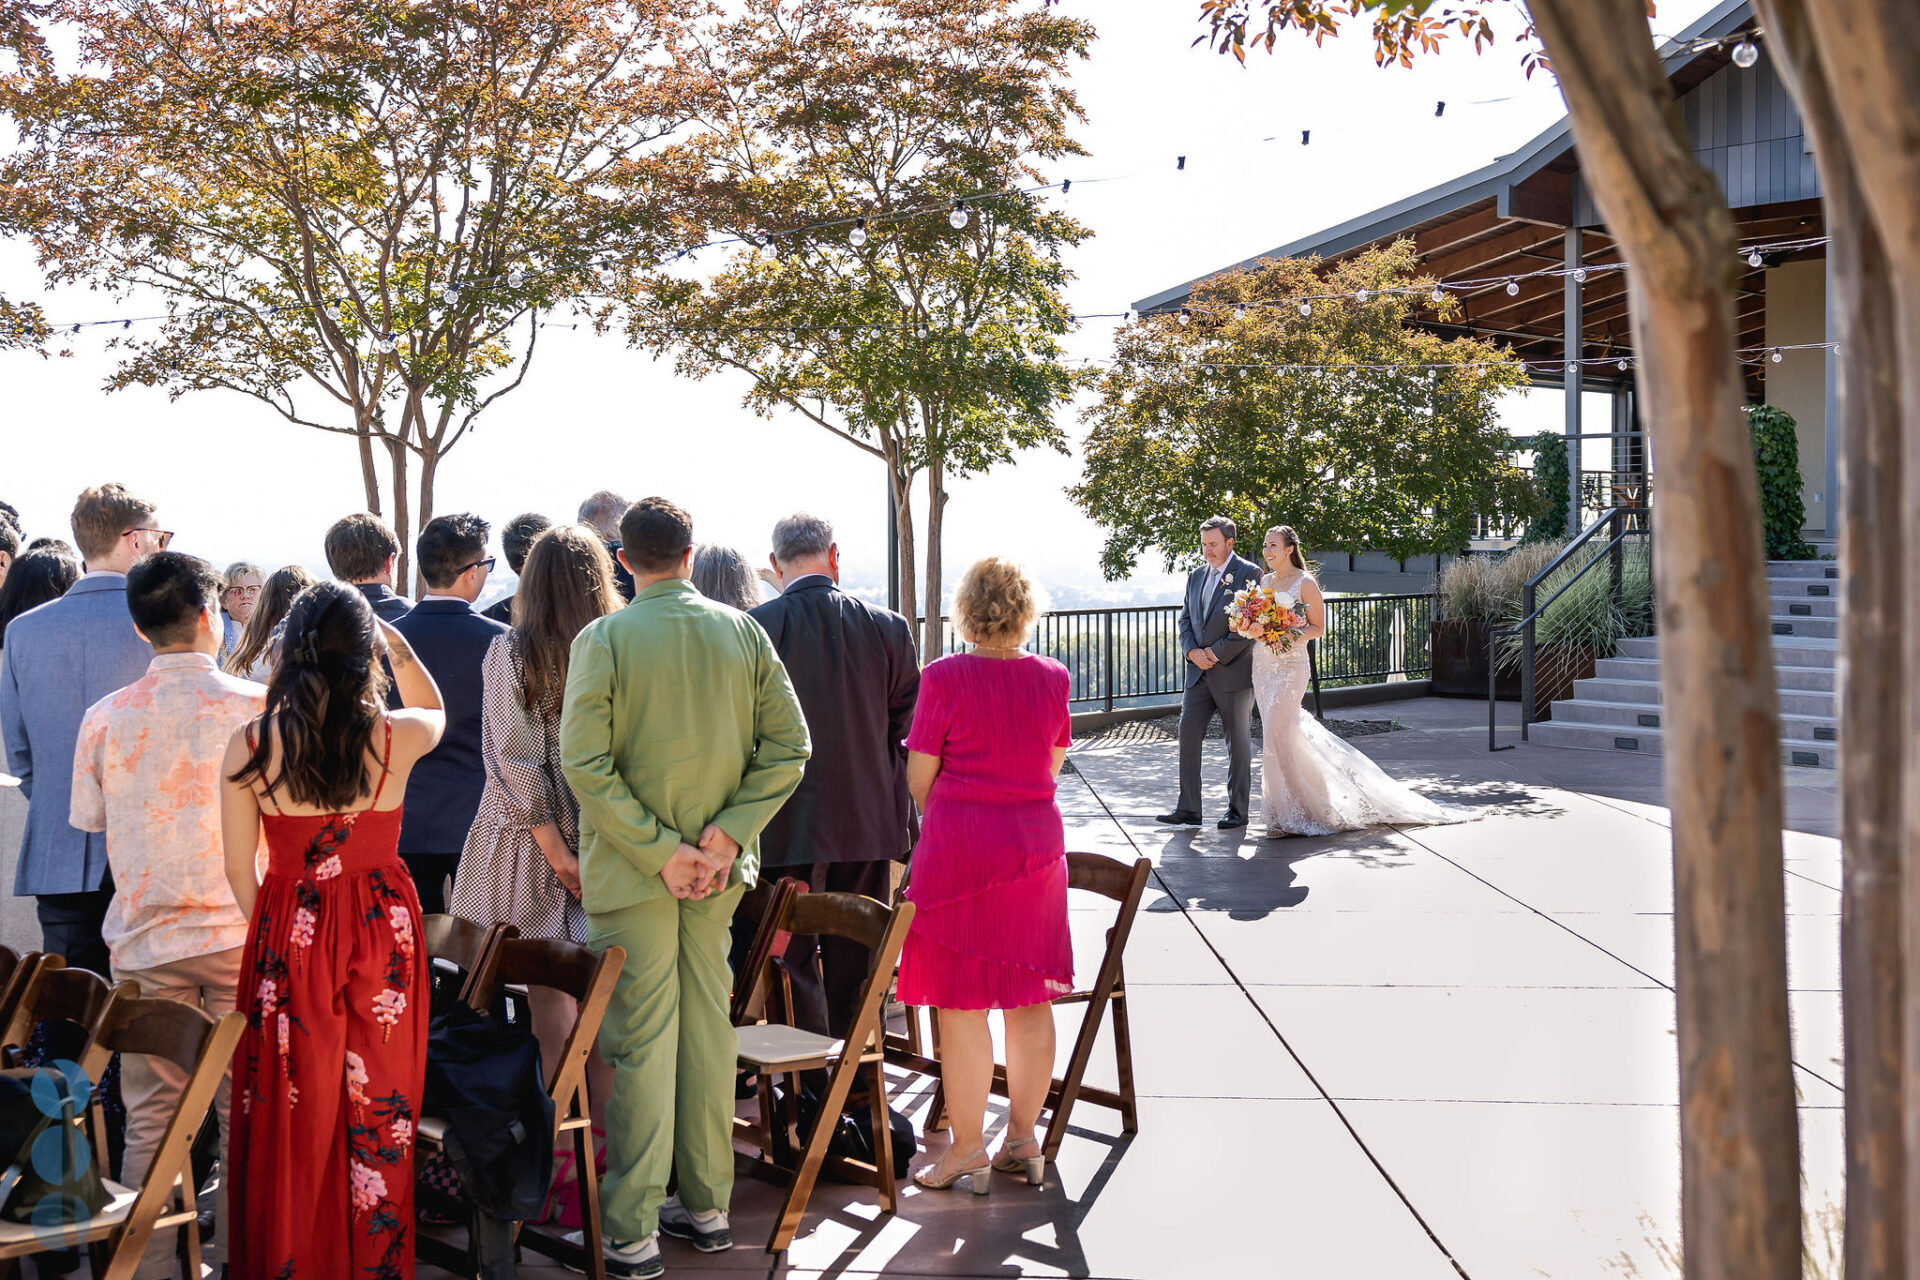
{"points": [[1274, 618]]}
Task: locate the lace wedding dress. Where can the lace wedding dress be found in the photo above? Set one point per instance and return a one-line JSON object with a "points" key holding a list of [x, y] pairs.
{"points": [[1311, 782]]}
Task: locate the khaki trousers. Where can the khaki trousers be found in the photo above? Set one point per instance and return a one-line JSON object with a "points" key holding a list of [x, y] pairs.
{"points": [[673, 1050], [151, 1088]]}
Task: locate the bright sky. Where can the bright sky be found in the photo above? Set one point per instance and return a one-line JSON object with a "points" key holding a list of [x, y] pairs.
{"points": [[236, 481]]}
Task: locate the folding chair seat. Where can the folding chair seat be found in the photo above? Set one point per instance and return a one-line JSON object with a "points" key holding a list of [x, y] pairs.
{"points": [[1126, 885], [588, 978], [202, 1047], [78, 1000], [770, 1049]]}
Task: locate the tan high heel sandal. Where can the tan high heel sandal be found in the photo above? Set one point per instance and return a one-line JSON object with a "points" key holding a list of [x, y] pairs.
{"points": [[979, 1181], [1034, 1166]]}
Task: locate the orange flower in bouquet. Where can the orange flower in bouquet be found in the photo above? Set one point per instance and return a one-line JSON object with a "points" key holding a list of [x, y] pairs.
{"points": [[1274, 618]]}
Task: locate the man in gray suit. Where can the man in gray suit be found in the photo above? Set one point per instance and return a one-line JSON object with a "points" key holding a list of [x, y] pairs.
{"points": [[1219, 677], [56, 661]]}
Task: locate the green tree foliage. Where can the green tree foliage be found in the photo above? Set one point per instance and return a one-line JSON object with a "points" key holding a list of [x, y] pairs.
{"points": [[23, 54], [1783, 511], [1550, 481], [1194, 419], [931, 347]]}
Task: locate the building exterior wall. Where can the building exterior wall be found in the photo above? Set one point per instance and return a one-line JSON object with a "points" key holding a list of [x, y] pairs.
{"points": [[1797, 312]]}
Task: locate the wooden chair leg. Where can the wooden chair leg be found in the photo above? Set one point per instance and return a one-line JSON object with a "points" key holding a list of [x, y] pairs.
{"points": [[765, 1135], [1123, 1056], [191, 1227], [883, 1141], [590, 1225], [1068, 1086]]}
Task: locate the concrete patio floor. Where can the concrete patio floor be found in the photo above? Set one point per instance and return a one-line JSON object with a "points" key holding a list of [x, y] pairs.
{"points": [[1396, 1053], [1422, 1053]]}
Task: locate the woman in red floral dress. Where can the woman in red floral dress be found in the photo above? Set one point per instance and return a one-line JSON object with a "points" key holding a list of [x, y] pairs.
{"points": [[334, 977]]}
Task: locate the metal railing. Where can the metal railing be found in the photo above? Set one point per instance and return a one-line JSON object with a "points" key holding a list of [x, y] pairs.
{"points": [[1131, 656], [1620, 524]]}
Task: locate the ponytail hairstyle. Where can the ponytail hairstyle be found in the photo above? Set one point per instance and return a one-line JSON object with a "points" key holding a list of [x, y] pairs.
{"points": [[1291, 541], [325, 697]]}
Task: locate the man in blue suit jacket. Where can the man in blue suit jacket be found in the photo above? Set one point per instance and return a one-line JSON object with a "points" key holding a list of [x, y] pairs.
{"points": [[55, 662], [451, 639], [1219, 676]]}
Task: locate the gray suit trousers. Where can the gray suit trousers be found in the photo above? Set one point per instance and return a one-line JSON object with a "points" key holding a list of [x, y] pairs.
{"points": [[1236, 719]]}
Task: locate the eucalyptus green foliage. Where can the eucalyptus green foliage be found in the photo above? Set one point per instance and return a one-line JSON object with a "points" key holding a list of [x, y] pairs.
{"points": [[1776, 455], [1550, 482]]}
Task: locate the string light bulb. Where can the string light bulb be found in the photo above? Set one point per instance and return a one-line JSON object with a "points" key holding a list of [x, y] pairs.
{"points": [[1439, 295], [1239, 311], [1621, 365], [1745, 54], [1186, 316], [1306, 308], [1573, 368], [1361, 296], [516, 278], [958, 218], [450, 294], [1579, 275], [1513, 287], [858, 236], [1754, 259], [384, 344], [1775, 357]]}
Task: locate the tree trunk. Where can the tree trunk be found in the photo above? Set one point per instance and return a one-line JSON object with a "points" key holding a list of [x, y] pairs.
{"points": [[1873, 680], [369, 477], [901, 478], [934, 644], [423, 511], [1739, 1140], [397, 462]]}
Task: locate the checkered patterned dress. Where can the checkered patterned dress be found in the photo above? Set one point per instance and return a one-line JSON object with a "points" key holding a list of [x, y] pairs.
{"points": [[503, 876]]}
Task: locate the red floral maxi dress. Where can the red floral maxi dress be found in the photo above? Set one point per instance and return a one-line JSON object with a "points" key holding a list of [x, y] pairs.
{"points": [[329, 1072]]}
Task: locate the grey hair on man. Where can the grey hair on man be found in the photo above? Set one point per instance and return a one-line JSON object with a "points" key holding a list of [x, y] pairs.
{"points": [[801, 537], [602, 513], [1224, 524]]}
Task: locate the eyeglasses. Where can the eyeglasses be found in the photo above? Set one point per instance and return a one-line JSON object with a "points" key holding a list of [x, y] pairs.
{"points": [[486, 564], [165, 535], [243, 591]]}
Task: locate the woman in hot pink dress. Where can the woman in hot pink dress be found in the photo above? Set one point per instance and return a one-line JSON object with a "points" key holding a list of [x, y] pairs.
{"points": [[989, 880]]}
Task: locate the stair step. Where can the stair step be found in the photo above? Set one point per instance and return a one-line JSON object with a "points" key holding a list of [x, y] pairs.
{"points": [[1827, 569], [1803, 589], [1644, 695], [1786, 624], [1647, 741], [1581, 710], [1789, 651], [1804, 606]]}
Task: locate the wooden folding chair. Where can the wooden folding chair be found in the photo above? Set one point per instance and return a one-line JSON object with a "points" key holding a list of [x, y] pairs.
{"points": [[1126, 885], [750, 987], [78, 997], [573, 970], [16, 973], [463, 945], [118, 1235], [770, 1049]]}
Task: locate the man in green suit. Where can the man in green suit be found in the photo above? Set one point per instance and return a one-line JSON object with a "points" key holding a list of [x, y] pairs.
{"points": [[681, 737]]}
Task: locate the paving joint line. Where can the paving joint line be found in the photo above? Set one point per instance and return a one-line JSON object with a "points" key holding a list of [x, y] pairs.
{"points": [[1312, 1079]]}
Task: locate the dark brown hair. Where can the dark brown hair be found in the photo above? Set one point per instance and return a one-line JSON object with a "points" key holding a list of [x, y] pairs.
{"points": [[655, 534], [276, 597], [566, 583], [358, 547], [102, 516], [41, 575], [1292, 543], [326, 697]]}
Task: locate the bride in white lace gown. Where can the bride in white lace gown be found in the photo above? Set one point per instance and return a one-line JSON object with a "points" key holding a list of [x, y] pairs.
{"points": [[1311, 782]]}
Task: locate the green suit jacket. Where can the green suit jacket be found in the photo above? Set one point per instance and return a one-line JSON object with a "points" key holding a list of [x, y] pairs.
{"points": [[678, 714]]}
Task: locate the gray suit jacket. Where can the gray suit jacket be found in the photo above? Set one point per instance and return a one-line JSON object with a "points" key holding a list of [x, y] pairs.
{"points": [[1203, 625], [55, 662]]}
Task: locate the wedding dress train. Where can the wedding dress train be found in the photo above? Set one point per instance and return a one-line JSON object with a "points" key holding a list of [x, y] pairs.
{"points": [[1311, 782]]}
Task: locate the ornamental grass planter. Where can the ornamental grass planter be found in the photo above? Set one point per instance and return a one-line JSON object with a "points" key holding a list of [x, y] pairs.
{"points": [[1460, 661]]}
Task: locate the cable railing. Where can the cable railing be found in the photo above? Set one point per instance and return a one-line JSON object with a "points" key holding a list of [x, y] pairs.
{"points": [[1129, 657]]}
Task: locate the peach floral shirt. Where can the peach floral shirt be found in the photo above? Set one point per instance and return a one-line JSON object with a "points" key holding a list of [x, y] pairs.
{"points": [[147, 772]]}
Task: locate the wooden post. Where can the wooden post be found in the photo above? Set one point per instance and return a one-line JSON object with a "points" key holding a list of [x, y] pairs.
{"points": [[1574, 342], [1739, 1136]]}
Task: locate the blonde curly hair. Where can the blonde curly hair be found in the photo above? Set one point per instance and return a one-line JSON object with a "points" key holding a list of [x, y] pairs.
{"points": [[996, 604]]}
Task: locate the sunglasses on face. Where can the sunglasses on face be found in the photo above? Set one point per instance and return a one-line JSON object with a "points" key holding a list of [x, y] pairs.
{"points": [[165, 536], [486, 564]]}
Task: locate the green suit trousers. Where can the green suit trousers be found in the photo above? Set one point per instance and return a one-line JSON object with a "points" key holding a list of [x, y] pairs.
{"points": [[673, 1050]]}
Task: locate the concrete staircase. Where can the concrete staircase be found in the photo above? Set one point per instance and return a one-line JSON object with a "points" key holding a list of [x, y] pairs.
{"points": [[1619, 708]]}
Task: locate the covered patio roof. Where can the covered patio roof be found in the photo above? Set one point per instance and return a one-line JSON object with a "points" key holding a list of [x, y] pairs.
{"points": [[1522, 212]]}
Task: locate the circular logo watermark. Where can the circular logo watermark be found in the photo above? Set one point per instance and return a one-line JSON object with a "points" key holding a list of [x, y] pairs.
{"points": [[61, 1155]]}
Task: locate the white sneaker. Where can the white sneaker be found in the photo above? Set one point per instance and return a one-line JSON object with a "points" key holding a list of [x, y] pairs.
{"points": [[629, 1259], [706, 1230]]}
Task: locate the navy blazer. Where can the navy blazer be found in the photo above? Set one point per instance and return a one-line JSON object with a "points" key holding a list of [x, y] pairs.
{"points": [[389, 604], [854, 669], [1203, 625], [444, 792], [55, 662]]}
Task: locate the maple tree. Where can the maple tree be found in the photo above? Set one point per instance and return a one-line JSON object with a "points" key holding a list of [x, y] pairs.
{"points": [[840, 143], [356, 211]]}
